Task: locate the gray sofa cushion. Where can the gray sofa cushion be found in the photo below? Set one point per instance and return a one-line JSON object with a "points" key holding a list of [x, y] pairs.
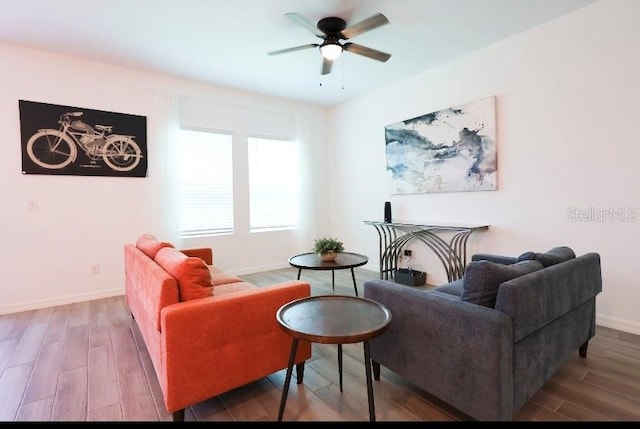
{"points": [[453, 288], [482, 279], [505, 260], [551, 257]]}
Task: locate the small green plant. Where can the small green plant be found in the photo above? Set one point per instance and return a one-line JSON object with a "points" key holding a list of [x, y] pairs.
{"points": [[326, 245]]}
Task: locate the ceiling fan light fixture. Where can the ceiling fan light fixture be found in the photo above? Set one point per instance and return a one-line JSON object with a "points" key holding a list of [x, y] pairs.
{"points": [[332, 30], [331, 50]]}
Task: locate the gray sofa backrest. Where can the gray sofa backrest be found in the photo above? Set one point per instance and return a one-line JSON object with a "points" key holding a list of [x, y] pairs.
{"points": [[535, 299]]}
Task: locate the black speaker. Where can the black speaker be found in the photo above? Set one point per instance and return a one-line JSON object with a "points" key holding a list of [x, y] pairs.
{"points": [[387, 211]]}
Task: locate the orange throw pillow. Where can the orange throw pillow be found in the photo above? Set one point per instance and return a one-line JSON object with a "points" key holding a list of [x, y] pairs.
{"points": [[150, 245], [191, 273]]}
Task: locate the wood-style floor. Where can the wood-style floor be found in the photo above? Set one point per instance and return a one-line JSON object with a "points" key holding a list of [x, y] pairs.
{"points": [[86, 362]]}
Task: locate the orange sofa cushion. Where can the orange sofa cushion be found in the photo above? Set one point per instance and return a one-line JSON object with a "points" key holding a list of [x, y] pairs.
{"points": [[191, 273], [150, 245], [221, 277]]}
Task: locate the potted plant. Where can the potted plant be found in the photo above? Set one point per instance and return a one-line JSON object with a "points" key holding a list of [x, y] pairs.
{"points": [[327, 247]]}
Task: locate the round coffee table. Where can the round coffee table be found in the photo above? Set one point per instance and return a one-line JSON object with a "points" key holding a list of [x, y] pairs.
{"points": [[333, 319], [344, 260]]}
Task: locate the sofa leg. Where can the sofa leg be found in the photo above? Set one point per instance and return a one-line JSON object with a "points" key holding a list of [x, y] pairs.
{"points": [[178, 416], [583, 349], [376, 369], [299, 372]]}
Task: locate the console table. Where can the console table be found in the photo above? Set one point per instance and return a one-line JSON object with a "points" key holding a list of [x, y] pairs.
{"points": [[453, 253]]}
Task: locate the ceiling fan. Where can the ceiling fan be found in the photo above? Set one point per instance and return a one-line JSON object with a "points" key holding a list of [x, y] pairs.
{"points": [[332, 30]]}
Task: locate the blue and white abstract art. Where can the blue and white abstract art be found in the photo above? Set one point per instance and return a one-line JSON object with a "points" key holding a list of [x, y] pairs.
{"points": [[451, 150]]}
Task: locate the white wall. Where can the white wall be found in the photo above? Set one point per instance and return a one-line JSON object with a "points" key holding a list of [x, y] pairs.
{"points": [[567, 97], [81, 221]]}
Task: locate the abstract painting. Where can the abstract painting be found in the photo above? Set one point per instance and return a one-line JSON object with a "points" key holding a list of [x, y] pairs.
{"points": [[451, 150]]}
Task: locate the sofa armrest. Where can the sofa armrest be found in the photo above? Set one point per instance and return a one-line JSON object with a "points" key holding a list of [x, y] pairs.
{"points": [[204, 253], [211, 345], [458, 351], [504, 260], [549, 293]]}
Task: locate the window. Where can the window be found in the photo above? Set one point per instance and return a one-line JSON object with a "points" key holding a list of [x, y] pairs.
{"points": [[273, 183], [205, 169]]}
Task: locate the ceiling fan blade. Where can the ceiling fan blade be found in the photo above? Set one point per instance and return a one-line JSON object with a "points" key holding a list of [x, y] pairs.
{"points": [[326, 66], [295, 48], [304, 22], [367, 52], [368, 24]]}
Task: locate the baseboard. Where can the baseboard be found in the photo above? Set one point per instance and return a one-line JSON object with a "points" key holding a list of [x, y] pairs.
{"points": [[618, 324], [259, 269], [35, 305]]}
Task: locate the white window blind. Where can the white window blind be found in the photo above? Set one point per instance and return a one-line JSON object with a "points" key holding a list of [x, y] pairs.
{"points": [[206, 183], [273, 183]]}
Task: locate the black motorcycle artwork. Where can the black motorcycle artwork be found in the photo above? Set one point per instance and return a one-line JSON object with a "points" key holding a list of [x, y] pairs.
{"points": [[57, 151]]}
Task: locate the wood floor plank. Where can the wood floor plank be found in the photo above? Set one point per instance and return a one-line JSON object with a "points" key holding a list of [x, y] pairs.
{"points": [[79, 315], [411, 389], [77, 347], [547, 400], [70, 402], [29, 344], [629, 338], [38, 411], [573, 412], [103, 388], [147, 365], [243, 406], [42, 315], [623, 357], [609, 367], [616, 343], [57, 326], [14, 324], [117, 308], [135, 393], [110, 413], [265, 393], [405, 399], [620, 385], [344, 403], [302, 404], [599, 401], [98, 311], [44, 377], [13, 383], [7, 347], [211, 410], [99, 335], [532, 411]]}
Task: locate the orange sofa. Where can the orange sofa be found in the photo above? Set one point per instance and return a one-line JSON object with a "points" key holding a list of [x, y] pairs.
{"points": [[205, 339]]}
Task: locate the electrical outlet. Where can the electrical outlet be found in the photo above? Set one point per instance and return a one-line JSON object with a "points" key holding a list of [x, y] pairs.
{"points": [[94, 269], [407, 252]]}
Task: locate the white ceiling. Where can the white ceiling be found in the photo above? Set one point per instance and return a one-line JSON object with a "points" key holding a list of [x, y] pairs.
{"points": [[225, 42]]}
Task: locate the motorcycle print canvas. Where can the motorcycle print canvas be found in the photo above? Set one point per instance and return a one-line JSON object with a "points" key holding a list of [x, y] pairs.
{"points": [[69, 140]]}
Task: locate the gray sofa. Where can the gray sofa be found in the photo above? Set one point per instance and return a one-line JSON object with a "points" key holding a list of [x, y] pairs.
{"points": [[487, 343]]}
